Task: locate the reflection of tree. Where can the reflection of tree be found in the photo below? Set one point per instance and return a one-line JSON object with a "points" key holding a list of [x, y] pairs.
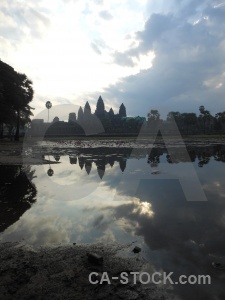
{"points": [[204, 159], [17, 193], [168, 158], [219, 154], [57, 157], [108, 156], [153, 157]]}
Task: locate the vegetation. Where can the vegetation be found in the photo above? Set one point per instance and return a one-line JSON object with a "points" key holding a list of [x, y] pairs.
{"points": [[16, 93], [205, 123]]}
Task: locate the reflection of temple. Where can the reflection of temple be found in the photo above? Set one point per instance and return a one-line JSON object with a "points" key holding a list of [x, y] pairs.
{"points": [[102, 157], [101, 160], [73, 160], [88, 166], [105, 157], [123, 164]]}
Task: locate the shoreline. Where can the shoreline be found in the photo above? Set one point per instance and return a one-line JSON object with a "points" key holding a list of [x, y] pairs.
{"points": [[11, 152], [62, 272]]}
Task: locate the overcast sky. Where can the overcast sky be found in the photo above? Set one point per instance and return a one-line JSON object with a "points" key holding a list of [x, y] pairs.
{"points": [[148, 54]]}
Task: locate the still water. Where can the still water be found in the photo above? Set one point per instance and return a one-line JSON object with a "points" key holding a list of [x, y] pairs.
{"points": [[108, 195]]}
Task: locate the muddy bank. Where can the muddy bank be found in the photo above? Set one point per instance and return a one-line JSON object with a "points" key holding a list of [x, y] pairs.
{"points": [[62, 272]]}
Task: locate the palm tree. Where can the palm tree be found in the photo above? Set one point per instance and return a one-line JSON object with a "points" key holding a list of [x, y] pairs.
{"points": [[48, 105]]}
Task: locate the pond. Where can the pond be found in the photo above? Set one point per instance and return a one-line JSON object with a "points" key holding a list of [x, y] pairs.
{"points": [[169, 204]]}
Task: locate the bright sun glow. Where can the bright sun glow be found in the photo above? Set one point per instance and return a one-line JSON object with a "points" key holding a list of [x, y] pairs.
{"points": [[73, 53]]}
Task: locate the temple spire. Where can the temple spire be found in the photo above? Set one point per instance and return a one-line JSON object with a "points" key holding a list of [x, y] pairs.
{"points": [[100, 107], [122, 111]]}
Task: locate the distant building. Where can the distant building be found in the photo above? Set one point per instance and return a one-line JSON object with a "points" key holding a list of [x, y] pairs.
{"points": [[72, 117], [85, 120]]}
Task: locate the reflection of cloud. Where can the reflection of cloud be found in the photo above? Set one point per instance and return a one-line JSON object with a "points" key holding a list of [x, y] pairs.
{"points": [[40, 230], [127, 225], [182, 234], [143, 208], [107, 237]]}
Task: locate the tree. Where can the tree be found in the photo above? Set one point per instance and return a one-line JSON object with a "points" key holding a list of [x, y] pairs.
{"points": [[173, 115], [204, 117], [16, 93], [188, 120], [24, 97], [153, 116], [219, 120], [122, 111]]}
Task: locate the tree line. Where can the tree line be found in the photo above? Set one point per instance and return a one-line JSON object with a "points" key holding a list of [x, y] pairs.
{"points": [[16, 93], [189, 123]]}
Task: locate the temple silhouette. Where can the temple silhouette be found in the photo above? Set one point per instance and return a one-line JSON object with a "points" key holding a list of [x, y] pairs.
{"points": [[112, 123]]}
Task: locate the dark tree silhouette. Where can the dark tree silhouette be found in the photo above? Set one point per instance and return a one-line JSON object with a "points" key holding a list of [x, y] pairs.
{"points": [[219, 120], [16, 93], [153, 116], [204, 117]]}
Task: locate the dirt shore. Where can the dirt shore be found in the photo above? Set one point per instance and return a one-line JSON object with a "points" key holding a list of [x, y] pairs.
{"points": [[62, 272]]}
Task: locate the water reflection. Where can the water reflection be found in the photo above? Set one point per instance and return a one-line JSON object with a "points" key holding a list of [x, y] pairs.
{"points": [[17, 193], [177, 236], [108, 156]]}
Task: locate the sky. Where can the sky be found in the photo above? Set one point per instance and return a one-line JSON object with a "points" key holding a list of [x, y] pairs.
{"points": [[147, 54]]}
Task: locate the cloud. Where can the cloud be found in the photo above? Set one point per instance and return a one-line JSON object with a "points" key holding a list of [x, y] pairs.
{"points": [[186, 37], [187, 55], [99, 2], [123, 59], [19, 21], [98, 45], [104, 14]]}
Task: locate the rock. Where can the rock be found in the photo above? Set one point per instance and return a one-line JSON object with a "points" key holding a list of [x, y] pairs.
{"points": [[218, 265], [136, 249], [95, 258]]}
